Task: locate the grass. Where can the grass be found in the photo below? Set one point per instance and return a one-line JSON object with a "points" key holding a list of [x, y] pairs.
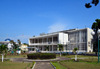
{"points": [[79, 56], [58, 65], [15, 56], [80, 65], [7, 64], [90, 62], [30, 65], [14, 65]]}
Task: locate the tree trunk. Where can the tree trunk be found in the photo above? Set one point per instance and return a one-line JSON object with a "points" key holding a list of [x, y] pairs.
{"points": [[60, 53], [76, 57], [2, 57]]}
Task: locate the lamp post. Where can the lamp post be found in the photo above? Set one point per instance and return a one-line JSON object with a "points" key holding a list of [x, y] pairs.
{"points": [[98, 32]]}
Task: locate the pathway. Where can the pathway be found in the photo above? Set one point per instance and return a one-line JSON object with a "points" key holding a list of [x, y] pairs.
{"points": [[38, 60], [43, 65]]}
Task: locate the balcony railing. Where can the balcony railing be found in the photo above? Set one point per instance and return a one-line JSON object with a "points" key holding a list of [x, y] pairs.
{"points": [[44, 43]]}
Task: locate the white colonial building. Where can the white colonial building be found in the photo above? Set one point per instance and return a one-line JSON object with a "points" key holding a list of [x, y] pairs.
{"points": [[9, 45], [70, 39]]}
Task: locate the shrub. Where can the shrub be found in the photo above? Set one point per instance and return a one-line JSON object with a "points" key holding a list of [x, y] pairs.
{"points": [[64, 54], [41, 56]]}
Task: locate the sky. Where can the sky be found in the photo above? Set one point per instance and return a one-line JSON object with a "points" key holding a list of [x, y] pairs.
{"points": [[22, 19]]}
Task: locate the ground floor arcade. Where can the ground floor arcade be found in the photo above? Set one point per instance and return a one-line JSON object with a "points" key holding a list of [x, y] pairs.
{"points": [[45, 48]]}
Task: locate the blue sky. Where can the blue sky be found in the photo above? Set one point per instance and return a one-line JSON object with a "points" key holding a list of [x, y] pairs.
{"points": [[21, 19]]}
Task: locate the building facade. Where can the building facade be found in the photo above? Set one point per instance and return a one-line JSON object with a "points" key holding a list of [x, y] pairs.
{"points": [[9, 45], [23, 47], [70, 39]]}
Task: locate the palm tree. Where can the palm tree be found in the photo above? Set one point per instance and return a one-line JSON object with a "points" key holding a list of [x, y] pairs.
{"points": [[3, 50], [75, 51], [19, 42], [60, 46]]}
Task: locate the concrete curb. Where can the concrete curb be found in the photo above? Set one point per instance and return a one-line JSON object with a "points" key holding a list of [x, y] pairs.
{"points": [[47, 60], [53, 65], [34, 66]]}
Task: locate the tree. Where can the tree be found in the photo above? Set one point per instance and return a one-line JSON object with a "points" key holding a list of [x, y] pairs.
{"points": [[95, 27], [26, 44], [60, 46], [19, 42], [33, 35], [95, 2], [75, 51], [15, 46], [3, 50]]}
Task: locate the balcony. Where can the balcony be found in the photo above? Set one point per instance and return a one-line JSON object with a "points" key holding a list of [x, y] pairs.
{"points": [[45, 43]]}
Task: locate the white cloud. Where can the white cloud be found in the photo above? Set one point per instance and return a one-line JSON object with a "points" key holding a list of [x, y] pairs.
{"points": [[57, 27]]}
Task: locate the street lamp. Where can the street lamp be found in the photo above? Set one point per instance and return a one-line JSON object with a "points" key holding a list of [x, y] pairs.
{"points": [[98, 32]]}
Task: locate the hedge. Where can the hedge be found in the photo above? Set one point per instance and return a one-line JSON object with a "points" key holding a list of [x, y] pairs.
{"points": [[41, 55]]}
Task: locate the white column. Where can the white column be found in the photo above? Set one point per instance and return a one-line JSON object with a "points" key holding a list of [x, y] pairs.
{"points": [[57, 48], [47, 40], [42, 40], [49, 48], [34, 40], [42, 48], [52, 39], [80, 40], [37, 40], [52, 47]]}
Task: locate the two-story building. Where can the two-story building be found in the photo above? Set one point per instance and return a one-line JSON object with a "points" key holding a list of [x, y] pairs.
{"points": [[70, 39]]}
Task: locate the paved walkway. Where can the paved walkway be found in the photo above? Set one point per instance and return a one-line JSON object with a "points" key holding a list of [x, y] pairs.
{"points": [[43, 65], [37, 60]]}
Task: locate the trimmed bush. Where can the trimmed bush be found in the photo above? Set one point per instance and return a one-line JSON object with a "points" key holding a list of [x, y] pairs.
{"points": [[41, 56], [64, 54]]}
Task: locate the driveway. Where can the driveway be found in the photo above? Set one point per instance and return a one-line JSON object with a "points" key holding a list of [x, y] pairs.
{"points": [[38, 60], [43, 65]]}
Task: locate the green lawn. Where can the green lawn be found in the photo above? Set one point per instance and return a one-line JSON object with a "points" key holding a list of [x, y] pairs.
{"points": [[58, 66], [80, 65], [15, 56], [15, 65], [79, 56]]}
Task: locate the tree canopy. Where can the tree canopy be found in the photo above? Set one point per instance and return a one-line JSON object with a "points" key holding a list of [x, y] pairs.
{"points": [[95, 27], [19, 42], [74, 50], [95, 2], [3, 48], [60, 47], [15, 45]]}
